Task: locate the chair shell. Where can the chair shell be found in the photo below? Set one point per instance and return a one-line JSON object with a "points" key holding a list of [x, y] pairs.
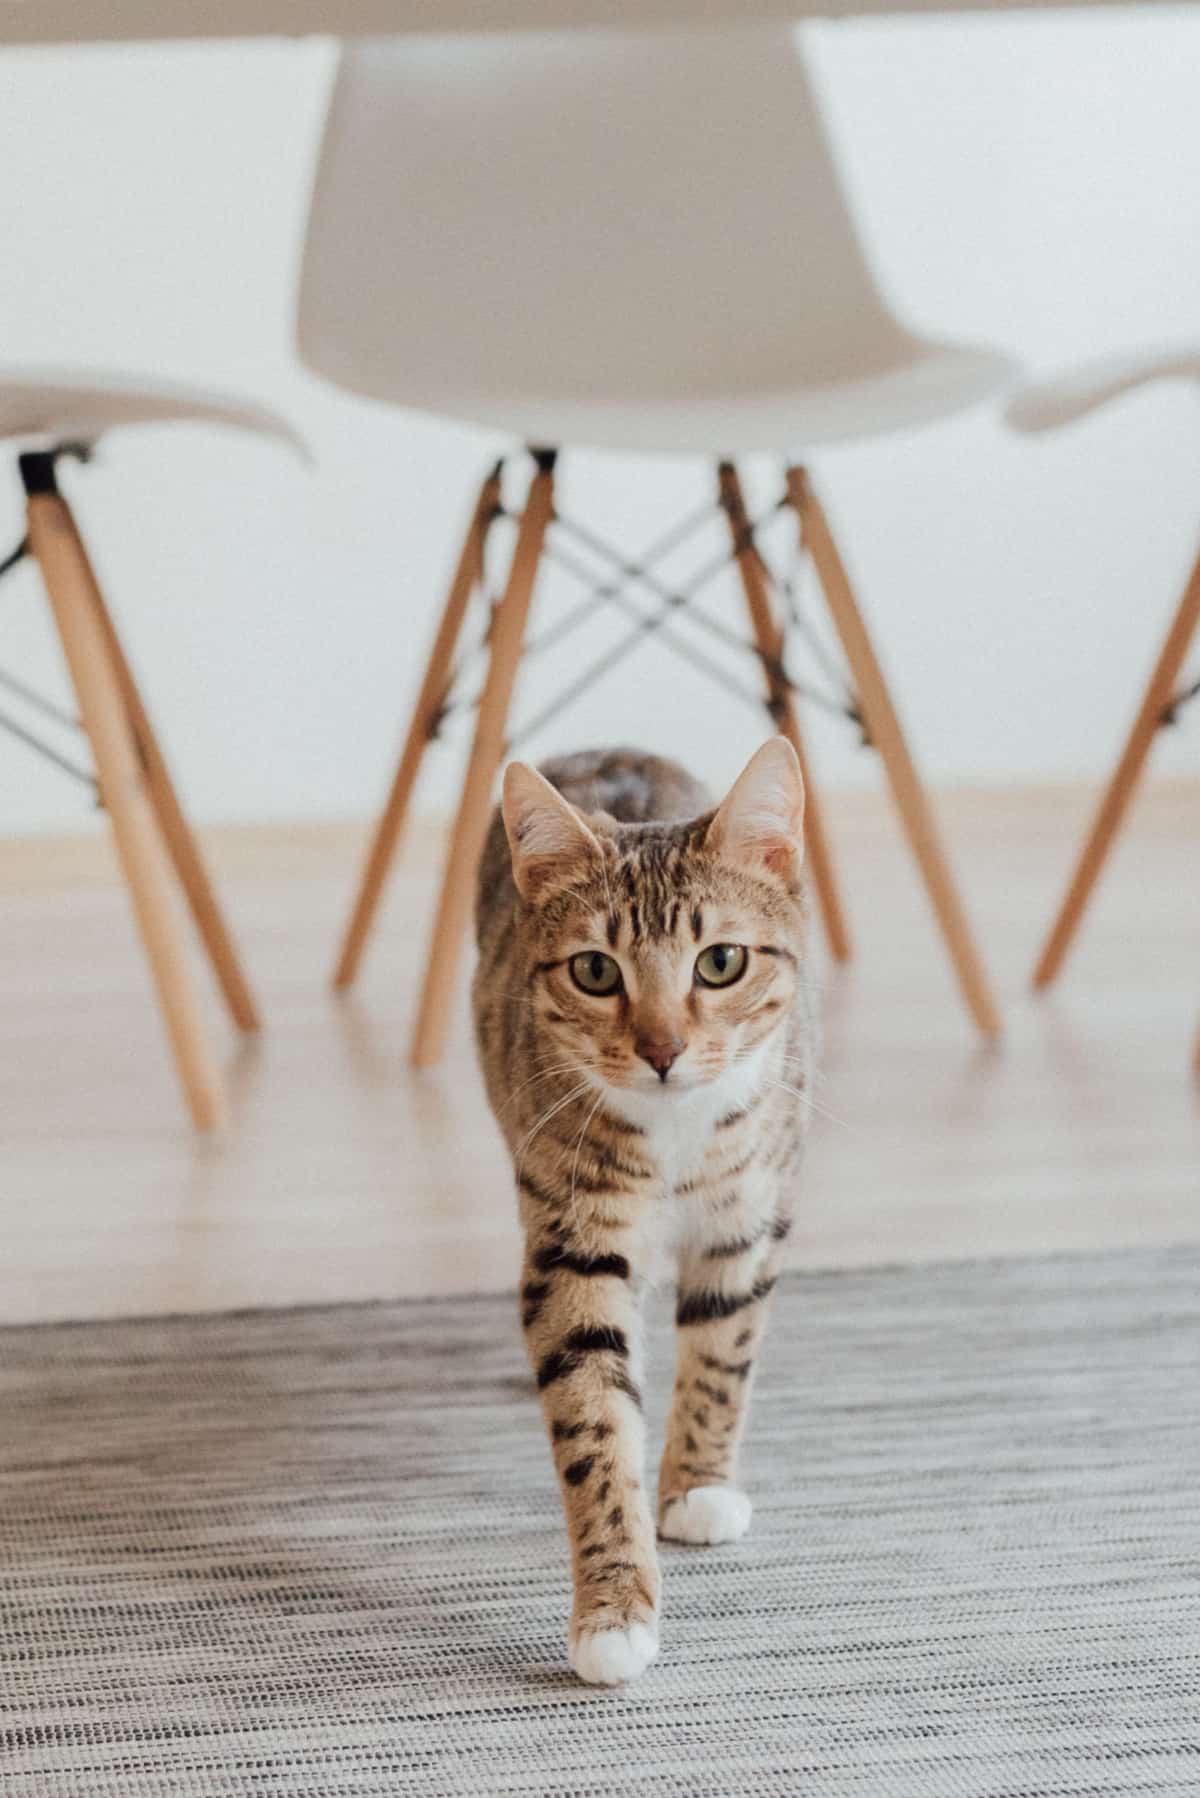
{"points": [[632, 240]]}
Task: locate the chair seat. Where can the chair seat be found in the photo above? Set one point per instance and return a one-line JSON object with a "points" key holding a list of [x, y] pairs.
{"points": [[934, 381], [46, 406], [1047, 405]]}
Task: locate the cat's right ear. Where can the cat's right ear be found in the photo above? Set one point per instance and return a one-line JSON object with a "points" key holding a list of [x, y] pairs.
{"points": [[547, 838]]}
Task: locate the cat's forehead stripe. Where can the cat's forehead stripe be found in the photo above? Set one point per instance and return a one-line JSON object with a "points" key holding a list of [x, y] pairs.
{"points": [[652, 887]]}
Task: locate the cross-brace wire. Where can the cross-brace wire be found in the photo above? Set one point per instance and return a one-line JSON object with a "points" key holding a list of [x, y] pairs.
{"points": [[48, 751], [39, 703], [1171, 711], [673, 602], [574, 616], [17, 555], [743, 538], [644, 627]]}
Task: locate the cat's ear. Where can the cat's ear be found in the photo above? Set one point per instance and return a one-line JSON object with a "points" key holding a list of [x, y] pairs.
{"points": [[546, 836], [760, 823]]}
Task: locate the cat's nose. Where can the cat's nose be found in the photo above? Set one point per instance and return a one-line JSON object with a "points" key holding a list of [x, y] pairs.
{"points": [[662, 1052]]}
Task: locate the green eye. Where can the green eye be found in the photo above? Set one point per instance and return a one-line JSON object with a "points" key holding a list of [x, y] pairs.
{"points": [[721, 965], [595, 973]]}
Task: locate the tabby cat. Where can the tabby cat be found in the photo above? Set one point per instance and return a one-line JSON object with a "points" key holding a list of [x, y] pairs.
{"points": [[643, 1026]]}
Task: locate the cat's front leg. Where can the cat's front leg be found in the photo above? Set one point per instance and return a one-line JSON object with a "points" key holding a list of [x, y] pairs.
{"points": [[725, 1284], [581, 1312]]}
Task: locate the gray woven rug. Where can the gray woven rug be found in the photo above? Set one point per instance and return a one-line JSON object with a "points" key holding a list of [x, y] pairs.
{"points": [[313, 1553]]}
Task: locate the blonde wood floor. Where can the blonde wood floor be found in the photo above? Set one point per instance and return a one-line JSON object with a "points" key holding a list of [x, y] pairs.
{"points": [[345, 1176]]}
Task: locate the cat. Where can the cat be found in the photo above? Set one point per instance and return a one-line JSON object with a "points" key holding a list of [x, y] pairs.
{"points": [[642, 1019]]}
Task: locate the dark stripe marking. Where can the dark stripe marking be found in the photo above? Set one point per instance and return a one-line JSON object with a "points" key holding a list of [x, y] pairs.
{"points": [[574, 1349], [725, 1251], [622, 1126], [537, 1193], [709, 1307], [609, 1160], [737, 1370], [588, 1267], [620, 1381], [597, 1187], [533, 1292], [578, 1471]]}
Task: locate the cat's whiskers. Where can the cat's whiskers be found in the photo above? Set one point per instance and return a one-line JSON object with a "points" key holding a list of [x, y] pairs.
{"points": [[558, 1106], [743, 1056], [803, 1062], [561, 1067], [578, 1146], [822, 1110]]}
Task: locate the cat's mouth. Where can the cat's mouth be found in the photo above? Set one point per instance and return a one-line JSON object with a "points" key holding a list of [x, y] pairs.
{"points": [[666, 1086]]}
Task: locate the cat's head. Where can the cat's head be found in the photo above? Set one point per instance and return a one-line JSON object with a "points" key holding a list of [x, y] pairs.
{"points": [[661, 956]]}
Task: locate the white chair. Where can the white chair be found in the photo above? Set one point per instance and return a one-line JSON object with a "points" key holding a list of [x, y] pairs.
{"points": [[633, 242], [48, 416], [1049, 405]]}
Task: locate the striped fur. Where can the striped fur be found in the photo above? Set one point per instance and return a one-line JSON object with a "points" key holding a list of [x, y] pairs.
{"points": [[620, 1168]]}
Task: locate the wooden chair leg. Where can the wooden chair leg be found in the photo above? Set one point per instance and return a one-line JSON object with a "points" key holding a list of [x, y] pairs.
{"points": [[769, 638], [181, 844], [467, 576], [1112, 808], [74, 601], [883, 726], [470, 826]]}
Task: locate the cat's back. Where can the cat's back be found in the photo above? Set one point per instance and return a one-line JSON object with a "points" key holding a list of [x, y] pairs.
{"points": [[631, 785]]}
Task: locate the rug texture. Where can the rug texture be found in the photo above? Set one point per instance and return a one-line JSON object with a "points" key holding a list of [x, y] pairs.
{"points": [[307, 1554]]}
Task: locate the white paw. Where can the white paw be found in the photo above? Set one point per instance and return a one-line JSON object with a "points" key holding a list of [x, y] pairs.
{"points": [[608, 1657], [707, 1514]]}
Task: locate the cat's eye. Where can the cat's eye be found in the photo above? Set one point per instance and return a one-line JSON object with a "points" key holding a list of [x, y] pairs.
{"points": [[595, 973], [721, 964]]}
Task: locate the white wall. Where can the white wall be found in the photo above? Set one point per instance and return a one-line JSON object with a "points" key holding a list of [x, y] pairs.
{"points": [[1030, 181]]}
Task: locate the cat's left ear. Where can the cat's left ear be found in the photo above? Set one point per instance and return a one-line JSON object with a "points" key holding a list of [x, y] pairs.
{"points": [[546, 836], [760, 823]]}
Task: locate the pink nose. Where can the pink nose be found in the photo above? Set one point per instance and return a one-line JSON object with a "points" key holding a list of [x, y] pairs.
{"points": [[662, 1052]]}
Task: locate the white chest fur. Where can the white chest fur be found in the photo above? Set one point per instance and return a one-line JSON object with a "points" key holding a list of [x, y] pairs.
{"points": [[679, 1125]]}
